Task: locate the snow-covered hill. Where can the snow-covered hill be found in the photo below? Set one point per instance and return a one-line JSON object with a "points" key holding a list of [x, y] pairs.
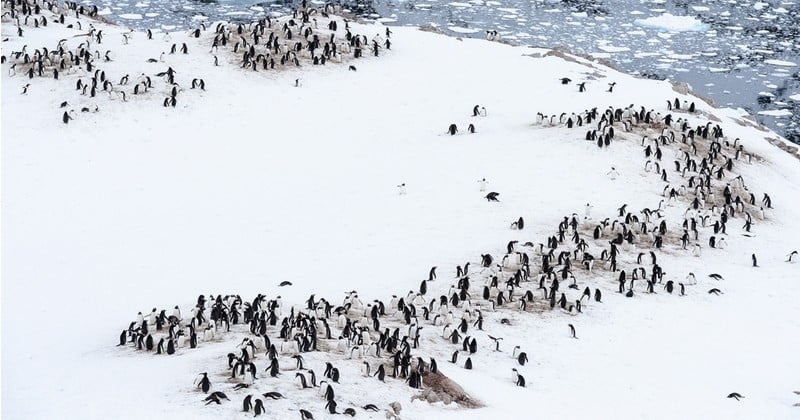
{"points": [[260, 179]]}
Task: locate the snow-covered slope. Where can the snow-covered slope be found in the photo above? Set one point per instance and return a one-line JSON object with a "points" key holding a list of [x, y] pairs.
{"points": [[255, 181]]}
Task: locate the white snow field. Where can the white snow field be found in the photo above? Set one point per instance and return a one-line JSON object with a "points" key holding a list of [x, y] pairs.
{"points": [[255, 181]]}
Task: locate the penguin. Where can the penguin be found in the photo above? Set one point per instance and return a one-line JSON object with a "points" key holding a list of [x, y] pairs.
{"points": [[204, 383], [306, 415], [792, 257], [492, 196], [365, 368], [331, 407], [380, 373], [258, 409], [215, 397], [273, 395], [735, 395], [522, 357], [755, 260], [471, 129], [370, 407], [519, 379], [247, 404], [483, 183], [303, 383], [452, 129], [25, 89], [468, 364], [572, 331], [496, 342]]}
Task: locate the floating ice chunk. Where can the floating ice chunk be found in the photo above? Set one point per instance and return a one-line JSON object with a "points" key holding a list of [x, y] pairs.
{"points": [[673, 23], [780, 63], [776, 113], [462, 30], [718, 69], [607, 47], [131, 16]]}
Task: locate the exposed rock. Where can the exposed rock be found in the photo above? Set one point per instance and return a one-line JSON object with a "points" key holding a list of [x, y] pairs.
{"points": [[440, 388]]}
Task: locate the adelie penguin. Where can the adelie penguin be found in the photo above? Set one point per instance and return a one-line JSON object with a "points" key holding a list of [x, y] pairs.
{"points": [[67, 117], [203, 382], [258, 409], [735, 395], [522, 357], [519, 379]]}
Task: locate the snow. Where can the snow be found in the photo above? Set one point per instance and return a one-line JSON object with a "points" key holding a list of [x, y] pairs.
{"points": [[255, 181], [672, 23]]}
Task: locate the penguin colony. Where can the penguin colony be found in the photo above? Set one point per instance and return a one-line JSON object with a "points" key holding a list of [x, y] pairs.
{"points": [[569, 271], [310, 36]]}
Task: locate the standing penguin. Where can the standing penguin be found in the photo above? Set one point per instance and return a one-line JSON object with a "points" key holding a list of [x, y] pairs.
{"points": [[572, 331], [755, 260], [204, 383], [259, 408], [519, 379], [483, 183]]}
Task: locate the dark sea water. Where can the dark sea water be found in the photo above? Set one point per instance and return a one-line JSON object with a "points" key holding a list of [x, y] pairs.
{"points": [[742, 54]]}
